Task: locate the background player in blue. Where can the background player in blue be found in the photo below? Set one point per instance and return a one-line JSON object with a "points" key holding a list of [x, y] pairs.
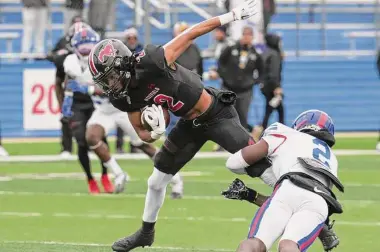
{"points": [[152, 80]]}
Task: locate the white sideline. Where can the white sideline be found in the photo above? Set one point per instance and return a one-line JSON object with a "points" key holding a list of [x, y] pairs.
{"points": [[109, 245], [200, 155], [188, 218]]}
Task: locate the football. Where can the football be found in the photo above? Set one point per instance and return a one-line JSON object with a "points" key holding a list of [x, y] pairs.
{"points": [[148, 127]]}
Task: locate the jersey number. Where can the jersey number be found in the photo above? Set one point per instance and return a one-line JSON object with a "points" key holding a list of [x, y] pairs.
{"points": [[321, 151], [161, 99]]}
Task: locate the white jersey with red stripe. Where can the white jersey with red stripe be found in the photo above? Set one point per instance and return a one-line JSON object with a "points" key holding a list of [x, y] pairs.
{"points": [[285, 145], [78, 70]]}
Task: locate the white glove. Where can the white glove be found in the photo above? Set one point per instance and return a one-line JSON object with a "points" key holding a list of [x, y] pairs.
{"points": [[243, 11], [154, 116]]}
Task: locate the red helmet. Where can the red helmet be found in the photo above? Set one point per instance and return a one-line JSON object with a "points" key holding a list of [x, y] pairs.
{"points": [[111, 64]]}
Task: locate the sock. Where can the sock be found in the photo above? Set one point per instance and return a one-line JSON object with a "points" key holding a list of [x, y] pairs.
{"points": [[104, 169], [114, 166], [148, 226], [155, 195], [177, 184], [85, 161]]}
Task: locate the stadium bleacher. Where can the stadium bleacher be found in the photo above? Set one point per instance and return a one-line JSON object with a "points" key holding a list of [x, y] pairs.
{"points": [[347, 86]]}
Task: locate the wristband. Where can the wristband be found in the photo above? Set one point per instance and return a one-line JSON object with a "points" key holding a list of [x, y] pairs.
{"points": [[251, 195], [226, 18]]}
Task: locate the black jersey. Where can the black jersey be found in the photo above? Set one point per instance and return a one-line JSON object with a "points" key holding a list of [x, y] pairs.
{"points": [[177, 90]]}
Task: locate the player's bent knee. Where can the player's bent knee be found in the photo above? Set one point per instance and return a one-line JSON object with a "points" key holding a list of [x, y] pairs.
{"points": [[288, 246], [251, 245], [158, 180], [94, 134]]}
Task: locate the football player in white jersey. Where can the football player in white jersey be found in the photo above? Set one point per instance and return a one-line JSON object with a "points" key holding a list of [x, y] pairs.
{"points": [[77, 106], [304, 169], [105, 117]]}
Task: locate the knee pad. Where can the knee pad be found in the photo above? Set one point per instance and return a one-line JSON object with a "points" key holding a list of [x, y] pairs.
{"points": [[158, 180]]}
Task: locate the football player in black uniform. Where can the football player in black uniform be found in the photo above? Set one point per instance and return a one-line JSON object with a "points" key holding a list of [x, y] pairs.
{"points": [[152, 79]]}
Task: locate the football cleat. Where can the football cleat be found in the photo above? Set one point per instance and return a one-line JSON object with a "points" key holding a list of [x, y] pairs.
{"points": [[328, 237], [93, 187], [176, 195], [120, 181], [138, 239], [107, 184]]}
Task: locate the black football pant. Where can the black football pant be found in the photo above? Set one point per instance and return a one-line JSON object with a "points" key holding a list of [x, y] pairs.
{"points": [[220, 124], [66, 137], [78, 125]]}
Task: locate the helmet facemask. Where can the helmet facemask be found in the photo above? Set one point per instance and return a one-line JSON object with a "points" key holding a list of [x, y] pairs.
{"points": [[116, 81]]}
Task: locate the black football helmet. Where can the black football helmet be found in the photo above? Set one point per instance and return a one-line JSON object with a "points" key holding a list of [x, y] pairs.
{"points": [[111, 64]]}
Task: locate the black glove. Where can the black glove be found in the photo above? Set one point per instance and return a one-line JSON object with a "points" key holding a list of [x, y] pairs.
{"points": [[237, 190]]}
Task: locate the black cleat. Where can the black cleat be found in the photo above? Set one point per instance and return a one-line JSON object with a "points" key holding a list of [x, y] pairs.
{"points": [[328, 237], [138, 239]]}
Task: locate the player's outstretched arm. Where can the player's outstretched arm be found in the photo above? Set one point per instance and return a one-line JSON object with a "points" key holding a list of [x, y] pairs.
{"points": [[175, 47], [239, 191]]}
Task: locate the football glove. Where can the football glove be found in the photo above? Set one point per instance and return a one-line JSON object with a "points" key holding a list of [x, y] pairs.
{"points": [[236, 190], [245, 10], [67, 104], [75, 87], [154, 116]]}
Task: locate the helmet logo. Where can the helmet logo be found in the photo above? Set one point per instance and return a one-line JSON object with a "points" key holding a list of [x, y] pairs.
{"points": [[108, 51]]}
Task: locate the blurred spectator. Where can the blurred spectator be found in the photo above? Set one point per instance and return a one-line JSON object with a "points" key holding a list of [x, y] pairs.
{"points": [[271, 80], [131, 40], [34, 17], [98, 15], [73, 8], [221, 41], [191, 58], [239, 68], [269, 9]]}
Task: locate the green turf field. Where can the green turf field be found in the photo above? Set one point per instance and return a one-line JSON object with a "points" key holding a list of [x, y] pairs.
{"points": [[44, 207]]}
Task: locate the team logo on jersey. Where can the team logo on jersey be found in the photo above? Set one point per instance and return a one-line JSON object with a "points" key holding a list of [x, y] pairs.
{"points": [[108, 51]]}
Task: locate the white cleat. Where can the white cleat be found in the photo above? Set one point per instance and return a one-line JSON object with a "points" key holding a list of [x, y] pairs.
{"points": [[120, 181], [65, 154], [378, 146], [3, 152]]}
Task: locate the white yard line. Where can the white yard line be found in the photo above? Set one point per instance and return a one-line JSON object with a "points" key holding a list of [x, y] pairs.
{"points": [[109, 245], [186, 174], [188, 218], [358, 203], [199, 155]]}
